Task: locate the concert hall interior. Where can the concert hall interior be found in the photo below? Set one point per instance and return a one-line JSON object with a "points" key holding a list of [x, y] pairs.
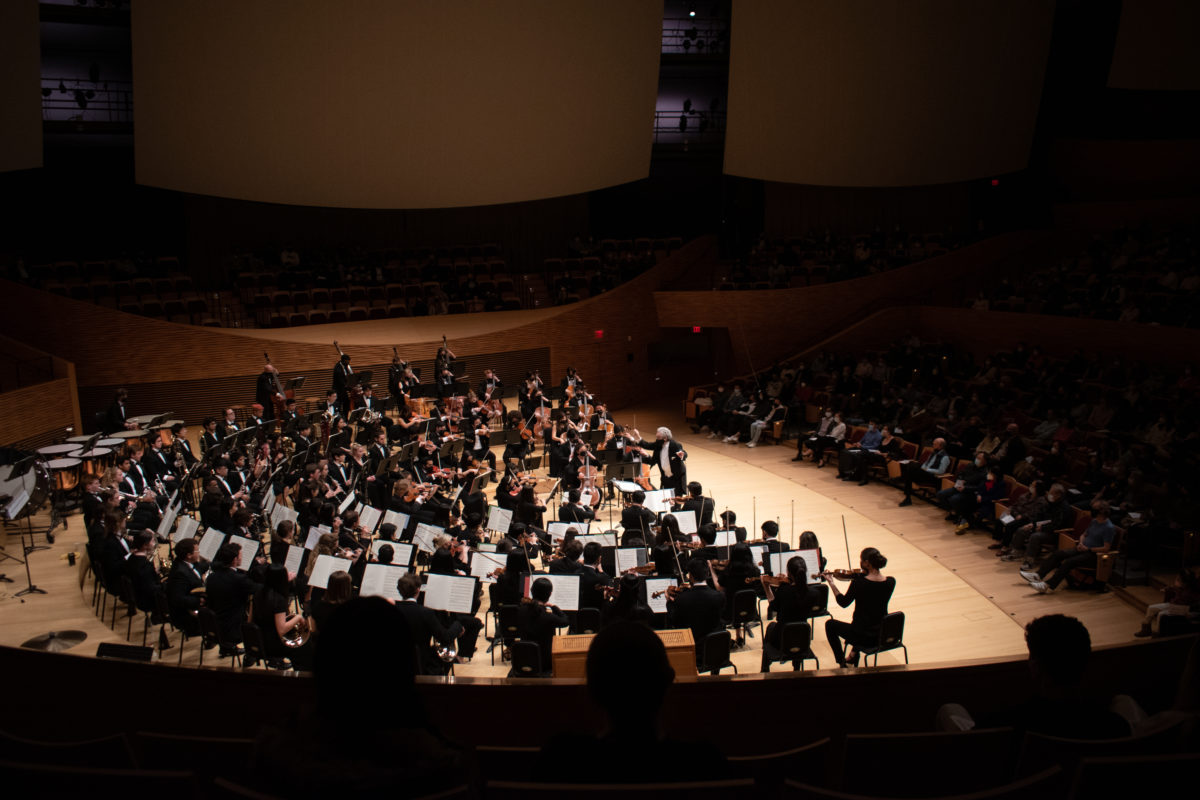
{"points": [[567, 383]]}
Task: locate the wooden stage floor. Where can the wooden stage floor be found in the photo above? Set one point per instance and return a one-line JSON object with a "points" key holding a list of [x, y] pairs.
{"points": [[959, 600]]}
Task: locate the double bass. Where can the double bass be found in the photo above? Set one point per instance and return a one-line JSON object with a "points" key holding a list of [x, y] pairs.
{"points": [[281, 396]]}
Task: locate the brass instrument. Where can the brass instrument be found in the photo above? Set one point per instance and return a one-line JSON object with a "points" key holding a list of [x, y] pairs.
{"points": [[447, 652], [289, 446], [298, 635]]}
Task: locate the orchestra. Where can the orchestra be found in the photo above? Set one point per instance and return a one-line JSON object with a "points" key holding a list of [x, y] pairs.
{"points": [[413, 481]]}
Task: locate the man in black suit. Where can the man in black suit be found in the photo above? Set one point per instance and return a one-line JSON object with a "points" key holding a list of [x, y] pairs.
{"points": [[573, 511], [116, 418], [569, 563], [770, 535], [669, 456], [229, 425], [210, 438], [266, 392], [636, 519], [156, 464], [591, 578], [425, 627], [697, 502], [187, 574], [538, 621], [93, 503], [698, 608], [490, 388], [729, 523], [342, 377], [179, 433]]}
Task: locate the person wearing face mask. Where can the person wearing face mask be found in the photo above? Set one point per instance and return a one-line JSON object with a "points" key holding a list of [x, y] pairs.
{"points": [[851, 458], [959, 498], [823, 430]]}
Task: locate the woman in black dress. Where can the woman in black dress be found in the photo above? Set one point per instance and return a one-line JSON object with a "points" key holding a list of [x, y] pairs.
{"points": [[870, 592], [272, 617], [627, 606], [793, 602], [739, 575]]}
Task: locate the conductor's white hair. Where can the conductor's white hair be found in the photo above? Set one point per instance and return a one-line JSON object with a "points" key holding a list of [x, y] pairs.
{"points": [[665, 432]]}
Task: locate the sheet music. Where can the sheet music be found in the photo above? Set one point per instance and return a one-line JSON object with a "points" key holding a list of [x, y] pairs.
{"points": [[286, 513], [275, 515], [605, 539], [658, 604], [486, 547], [499, 519], [812, 561], [630, 557], [397, 518], [295, 558], [269, 501], [758, 554], [327, 565], [346, 501], [726, 539], [423, 536], [483, 563], [249, 550], [379, 580], [450, 593], [210, 543], [626, 487], [558, 530], [402, 552], [369, 518], [565, 594], [686, 520], [168, 519], [314, 535], [185, 528], [659, 500]]}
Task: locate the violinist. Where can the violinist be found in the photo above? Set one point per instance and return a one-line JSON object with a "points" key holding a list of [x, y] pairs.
{"points": [[770, 539], [636, 519], [707, 534], [377, 453], [728, 523], [538, 621], [738, 575], [529, 510], [698, 607], [569, 563], [869, 592], [592, 579], [507, 590], [697, 502], [573, 511], [447, 560], [624, 603], [405, 428], [793, 601]]}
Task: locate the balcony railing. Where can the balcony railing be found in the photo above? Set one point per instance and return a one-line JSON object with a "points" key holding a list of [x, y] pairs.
{"points": [[692, 37], [689, 127], [81, 100]]}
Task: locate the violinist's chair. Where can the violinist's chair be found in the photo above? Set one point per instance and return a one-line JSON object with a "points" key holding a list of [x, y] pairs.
{"points": [[505, 631], [795, 647], [526, 660], [716, 653], [891, 637], [819, 607], [745, 614]]}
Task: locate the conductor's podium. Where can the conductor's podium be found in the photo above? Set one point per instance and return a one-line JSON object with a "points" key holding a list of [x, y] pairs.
{"points": [[569, 653]]}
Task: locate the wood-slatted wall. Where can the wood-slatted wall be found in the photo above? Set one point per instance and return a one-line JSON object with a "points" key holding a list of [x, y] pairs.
{"points": [[38, 415], [161, 361]]}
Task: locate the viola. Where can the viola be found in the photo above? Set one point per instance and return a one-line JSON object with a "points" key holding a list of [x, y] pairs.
{"points": [[842, 574]]}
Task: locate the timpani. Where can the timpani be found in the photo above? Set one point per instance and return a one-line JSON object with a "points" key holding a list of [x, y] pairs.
{"points": [[164, 431], [64, 472], [58, 450], [96, 459]]}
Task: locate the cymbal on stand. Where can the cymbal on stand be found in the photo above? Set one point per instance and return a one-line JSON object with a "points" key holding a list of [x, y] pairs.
{"points": [[55, 641]]}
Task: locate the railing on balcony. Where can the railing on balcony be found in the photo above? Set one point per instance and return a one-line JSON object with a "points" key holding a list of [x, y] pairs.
{"points": [[688, 36], [692, 127], [82, 100]]}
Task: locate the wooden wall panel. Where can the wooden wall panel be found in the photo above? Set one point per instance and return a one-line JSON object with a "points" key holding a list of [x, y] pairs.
{"points": [[770, 324], [45, 411], [110, 348]]}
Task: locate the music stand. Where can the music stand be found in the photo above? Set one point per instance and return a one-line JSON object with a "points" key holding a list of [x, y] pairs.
{"points": [[458, 369], [594, 438], [293, 385], [17, 508]]}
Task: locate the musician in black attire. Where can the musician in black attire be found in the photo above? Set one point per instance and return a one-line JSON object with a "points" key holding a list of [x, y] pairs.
{"points": [[116, 418], [179, 434], [728, 523], [793, 602], [215, 507], [266, 393], [740, 574], [870, 593], [139, 568], [273, 620], [698, 608], [156, 464], [538, 622], [529, 510], [592, 578], [187, 574], [425, 627], [573, 511], [770, 537], [229, 591], [342, 377], [627, 606], [697, 502], [446, 560], [636, 519]]}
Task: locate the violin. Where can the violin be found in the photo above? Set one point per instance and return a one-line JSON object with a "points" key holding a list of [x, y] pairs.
{"points": [[770, 580], [671, 591], [842, 574]]}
